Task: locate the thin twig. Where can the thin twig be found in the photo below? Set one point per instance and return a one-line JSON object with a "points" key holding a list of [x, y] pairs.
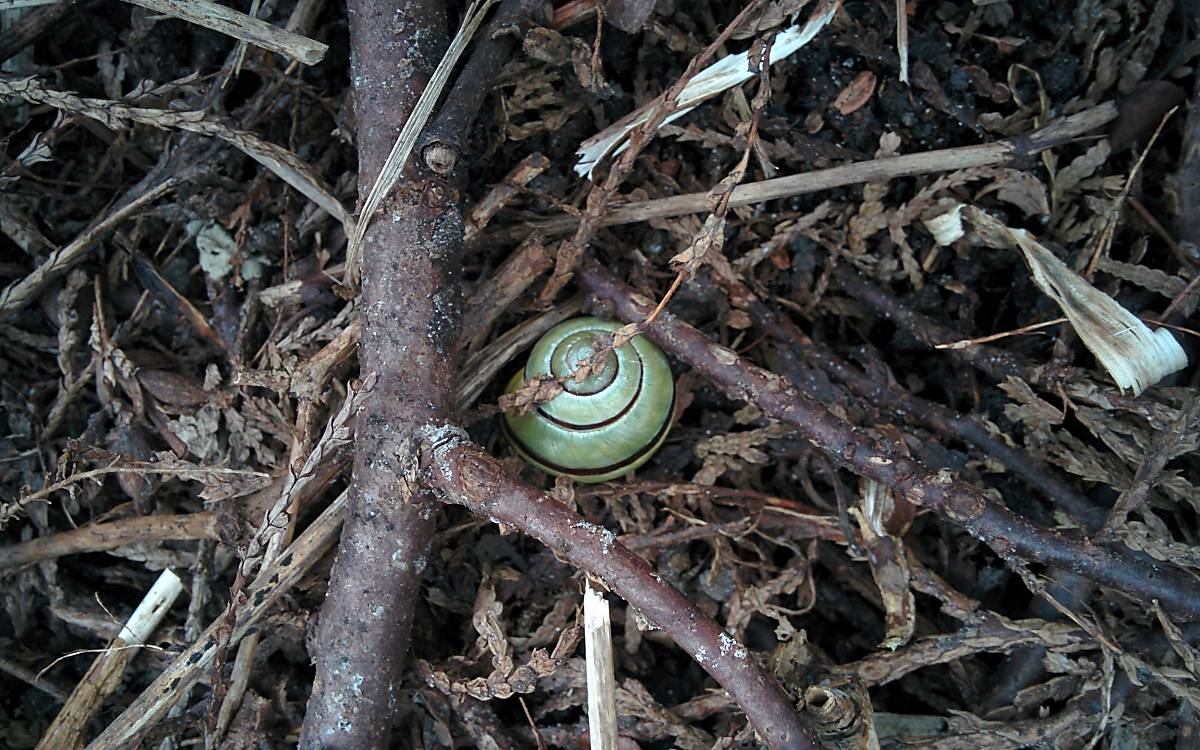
{"points": [[964, 343], [1009, 151], [8, 511], [99, 537], [20, 294], [1105, 237]]}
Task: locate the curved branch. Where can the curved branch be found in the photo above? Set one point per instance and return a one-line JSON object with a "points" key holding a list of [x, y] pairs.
{"points": [[470, 477]]}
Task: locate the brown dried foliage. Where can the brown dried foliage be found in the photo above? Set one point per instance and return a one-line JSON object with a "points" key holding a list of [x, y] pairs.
{"points": [[177, 372]]}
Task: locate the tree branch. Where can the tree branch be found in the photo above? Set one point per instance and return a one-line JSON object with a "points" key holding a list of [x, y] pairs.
{"points": [[444, 140], [1009, 535], [410, 327], [939, 418], [470, 477]]}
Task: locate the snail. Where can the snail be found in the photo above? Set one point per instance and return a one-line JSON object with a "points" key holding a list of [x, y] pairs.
{"points": [[608, 424]]}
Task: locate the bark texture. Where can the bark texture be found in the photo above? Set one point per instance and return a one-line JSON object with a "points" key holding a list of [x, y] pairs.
{"points": [[410, 311]]}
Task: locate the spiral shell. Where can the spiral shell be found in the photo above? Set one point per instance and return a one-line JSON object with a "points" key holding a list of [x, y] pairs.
{"points": [[604, 426]]}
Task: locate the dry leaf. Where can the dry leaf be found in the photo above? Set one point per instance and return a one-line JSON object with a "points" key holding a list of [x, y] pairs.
{"points": [[1030, 409], [528, 396], [856, 94], [628, 15], [889, 565], [1133, 355], [733, 451], [710, 239]]}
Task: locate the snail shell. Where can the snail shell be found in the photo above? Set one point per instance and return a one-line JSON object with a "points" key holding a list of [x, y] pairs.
{"points": [[604, 426]]}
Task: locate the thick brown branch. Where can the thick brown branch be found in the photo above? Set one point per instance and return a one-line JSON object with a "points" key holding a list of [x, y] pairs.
{"points": [[1009, 535], [410, 327], [470, 477]]}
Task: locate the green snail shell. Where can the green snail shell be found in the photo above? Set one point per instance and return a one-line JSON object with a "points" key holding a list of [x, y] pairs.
{"points": [[605, 426]]}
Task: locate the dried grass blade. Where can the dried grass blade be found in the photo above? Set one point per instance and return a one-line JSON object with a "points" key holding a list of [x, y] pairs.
{"points": [[288, 167], [116, 114], [16, 296], [1134, 356], [724, 74], [601, 686], [389, 174], [238, 25]]}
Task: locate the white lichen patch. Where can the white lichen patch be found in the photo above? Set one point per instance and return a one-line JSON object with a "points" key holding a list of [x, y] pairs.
{"points": [[399, 560], [607, 539], [727, 643], [443, 439]]}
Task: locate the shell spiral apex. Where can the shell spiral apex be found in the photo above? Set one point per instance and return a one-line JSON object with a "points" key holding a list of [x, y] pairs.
{"points": [[605, 425]]}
